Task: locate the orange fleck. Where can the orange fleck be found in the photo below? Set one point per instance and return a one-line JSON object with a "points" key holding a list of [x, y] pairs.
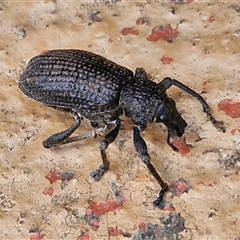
{"points": [[141, 21], [235, 131], [126, 31], [48, 191], [104, 207], [114, 231], [205, 83], [110, 40], [142, 226], [118, 176], [53, 176], [169, 209], [36, 236], [44, 51], [163, 32], [230, 107], [84, 236], [179, 187], [166, 60], [211, 19], [182, 147]]}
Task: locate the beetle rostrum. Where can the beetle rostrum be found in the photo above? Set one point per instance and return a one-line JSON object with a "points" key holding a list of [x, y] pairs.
{"points": [[91, 86]]}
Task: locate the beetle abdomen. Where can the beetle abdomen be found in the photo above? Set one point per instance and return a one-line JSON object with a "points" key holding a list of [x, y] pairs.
{"points": [[74, 79]]}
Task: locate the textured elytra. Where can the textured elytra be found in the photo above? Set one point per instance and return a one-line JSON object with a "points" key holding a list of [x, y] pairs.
{"points": [[74, 79]]}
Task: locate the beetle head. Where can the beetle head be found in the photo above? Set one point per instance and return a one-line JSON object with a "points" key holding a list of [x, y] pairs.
{"points": [[168, 114]]}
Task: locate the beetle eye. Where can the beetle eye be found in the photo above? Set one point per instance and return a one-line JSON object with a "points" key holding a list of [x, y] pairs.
{"points": [[163, 118]]}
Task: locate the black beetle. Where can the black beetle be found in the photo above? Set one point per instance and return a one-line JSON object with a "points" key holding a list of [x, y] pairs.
{"points": [[91, 86]]}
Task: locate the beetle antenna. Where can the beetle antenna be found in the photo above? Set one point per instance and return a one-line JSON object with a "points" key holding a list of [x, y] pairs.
{"points": [[168, 82]]}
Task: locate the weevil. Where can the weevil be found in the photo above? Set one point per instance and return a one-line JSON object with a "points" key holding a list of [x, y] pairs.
{"points": [[91, 86]]}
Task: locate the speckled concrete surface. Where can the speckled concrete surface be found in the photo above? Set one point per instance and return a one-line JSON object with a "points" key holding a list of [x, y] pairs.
{"points": [[205, 57]]}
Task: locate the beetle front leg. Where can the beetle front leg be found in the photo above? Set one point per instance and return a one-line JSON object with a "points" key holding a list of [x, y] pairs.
{"points": [[141, 148], [103, 144], [62, 137]]}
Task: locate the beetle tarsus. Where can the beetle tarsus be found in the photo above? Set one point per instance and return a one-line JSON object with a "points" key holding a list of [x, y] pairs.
{"points": [[219, 125], [97, 174], [159, 202]]}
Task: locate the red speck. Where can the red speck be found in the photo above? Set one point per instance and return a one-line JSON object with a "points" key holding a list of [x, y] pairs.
{"points": [[166, 60], [110, 40], [205, 83], [48, 191], [46, 116], [114, 231], [163, 32], [126, 31], [95, 210], [179, 187], [84, 236], [169, 209], [235, 131], [230, 107], [142, 226], [104, 207], [118, 176], [34, 119], [182, 147], [205, 184], [44, 51], [36, 236], [53, 176], [92, 220], [64, 176], [211, 19], [142, 20], [95, 18], [204, 88]]}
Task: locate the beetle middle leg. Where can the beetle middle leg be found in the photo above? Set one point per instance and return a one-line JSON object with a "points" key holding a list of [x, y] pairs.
{"points": [[141, 148], [64, 136], [103, 144]]}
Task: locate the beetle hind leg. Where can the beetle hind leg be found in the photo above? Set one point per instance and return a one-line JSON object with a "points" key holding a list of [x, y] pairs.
{"points": [[103, 144], [63, 137]]}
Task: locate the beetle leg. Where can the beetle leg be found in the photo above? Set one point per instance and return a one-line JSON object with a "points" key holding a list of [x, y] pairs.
{"points": [[62, 137], [141, 148], [103, 144], [168, 82]]}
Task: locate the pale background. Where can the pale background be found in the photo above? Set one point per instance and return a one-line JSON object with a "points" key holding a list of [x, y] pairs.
{"points": [[203, 51]]}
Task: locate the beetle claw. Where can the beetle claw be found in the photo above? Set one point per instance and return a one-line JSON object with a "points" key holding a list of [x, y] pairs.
{"points": [[159, 202], [219, 125], [97, 174]]}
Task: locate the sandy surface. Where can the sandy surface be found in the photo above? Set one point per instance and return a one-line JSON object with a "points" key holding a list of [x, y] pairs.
{"points": [[205, 57]]}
